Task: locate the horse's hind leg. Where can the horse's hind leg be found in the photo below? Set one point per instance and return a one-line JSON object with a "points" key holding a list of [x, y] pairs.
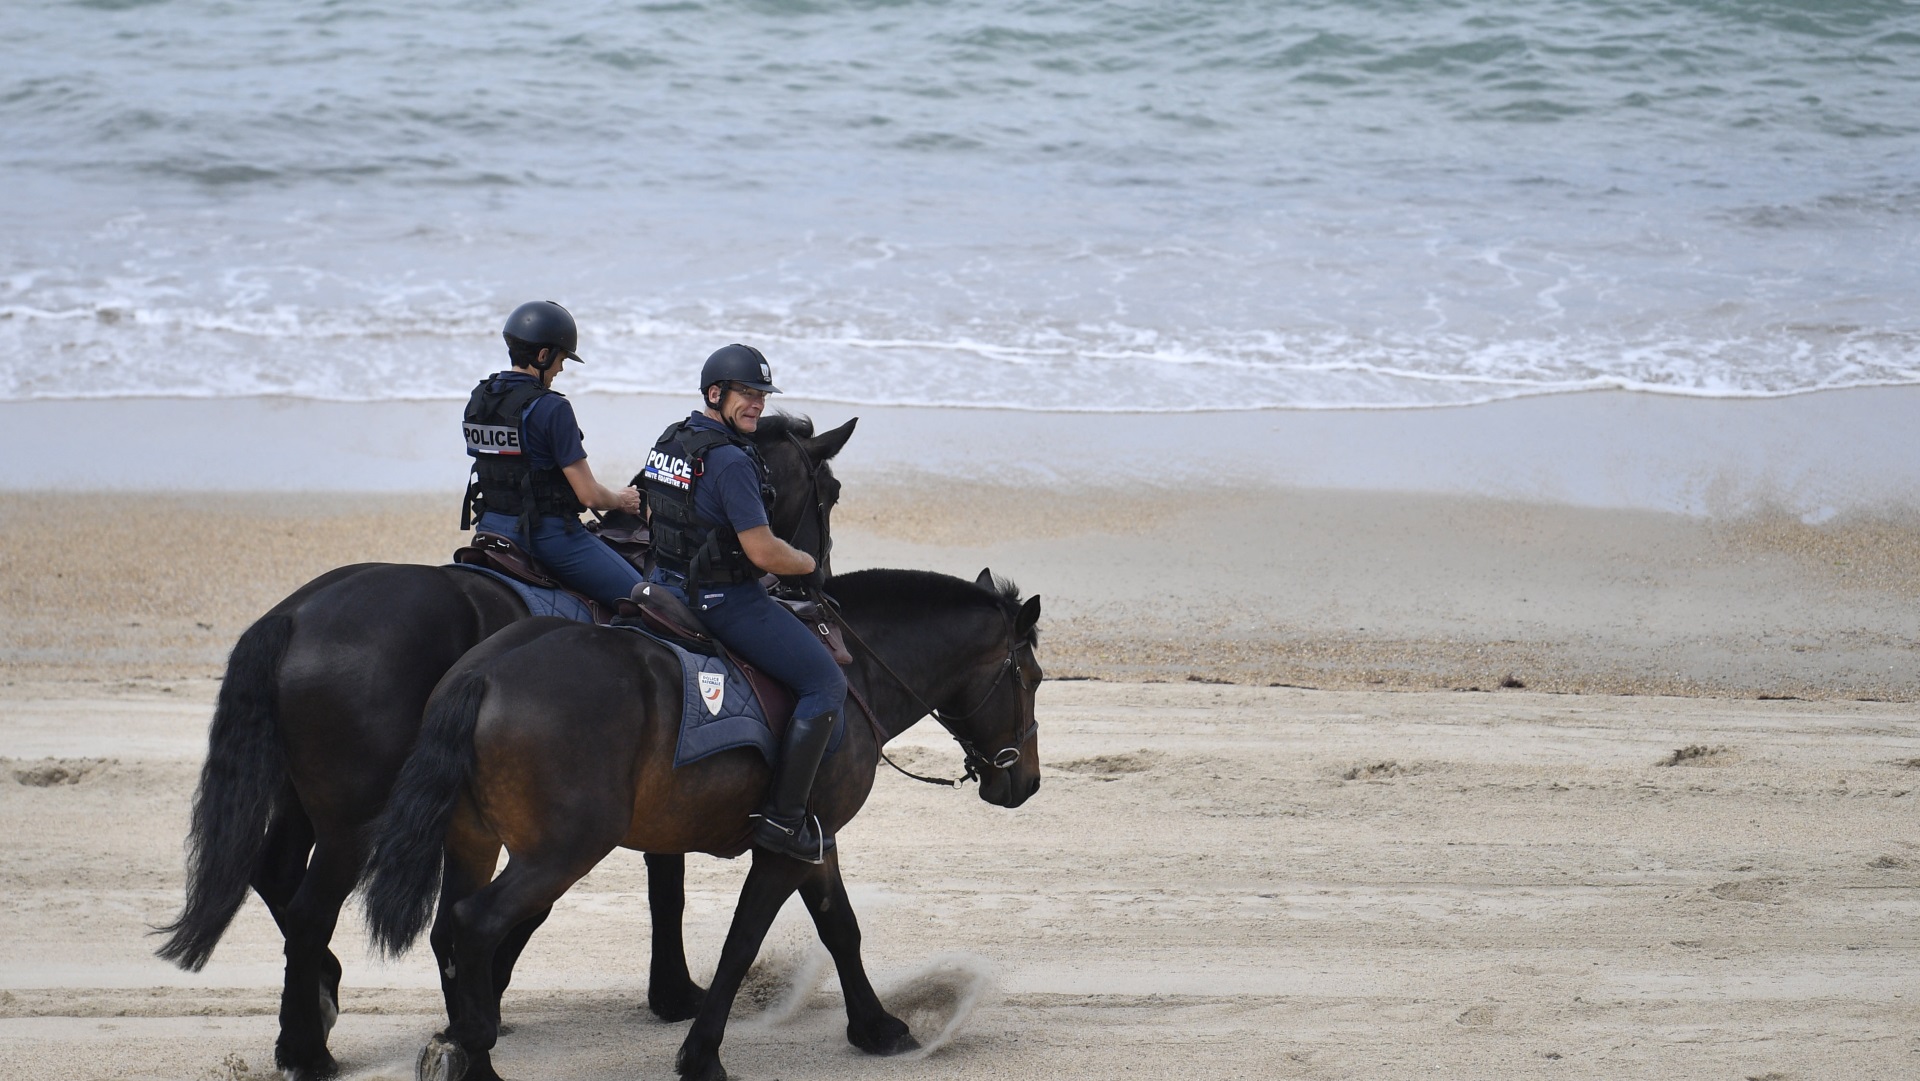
{"points": [[869, 1026], [481, 926], [283, 856], [277, 877], [510, 947], [472, 855], [671, 993], [305, 1013], [771, 881]]}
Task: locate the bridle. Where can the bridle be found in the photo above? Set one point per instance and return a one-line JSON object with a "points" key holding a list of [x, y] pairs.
{"points": [[821, 536], [975, 762], [1007, 756]]}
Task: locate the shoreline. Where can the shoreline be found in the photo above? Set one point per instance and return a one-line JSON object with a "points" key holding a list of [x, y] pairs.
{"points": [[1818, 455]]}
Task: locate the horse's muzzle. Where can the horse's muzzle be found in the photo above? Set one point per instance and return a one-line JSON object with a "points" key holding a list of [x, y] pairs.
{"points": [[1010, 788]]}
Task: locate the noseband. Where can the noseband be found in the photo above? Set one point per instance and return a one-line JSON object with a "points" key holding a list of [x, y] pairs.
{"points": [[1006, 757]]}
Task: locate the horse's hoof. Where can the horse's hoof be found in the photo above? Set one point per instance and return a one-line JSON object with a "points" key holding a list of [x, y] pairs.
{"points": [[677, 1005], [441, 1060], [312, 1069], [698, 1067], [890, 1037]]}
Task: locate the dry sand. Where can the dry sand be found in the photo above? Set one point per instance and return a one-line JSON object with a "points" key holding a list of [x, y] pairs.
{"points": [[1382, 878]]}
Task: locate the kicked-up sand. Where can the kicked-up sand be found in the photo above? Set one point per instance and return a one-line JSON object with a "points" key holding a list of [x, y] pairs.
{"points": [[1336, 785]]}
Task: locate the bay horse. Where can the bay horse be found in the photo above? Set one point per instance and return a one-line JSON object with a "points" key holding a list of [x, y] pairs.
{"points": [[555, 741], [319, 707]]}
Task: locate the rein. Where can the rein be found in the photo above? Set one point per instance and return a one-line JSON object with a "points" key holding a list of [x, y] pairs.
{"points": [[975, 762]]}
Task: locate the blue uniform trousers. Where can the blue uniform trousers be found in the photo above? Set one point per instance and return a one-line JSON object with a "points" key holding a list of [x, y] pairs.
{"points": [[768, 637], [576, 557]]}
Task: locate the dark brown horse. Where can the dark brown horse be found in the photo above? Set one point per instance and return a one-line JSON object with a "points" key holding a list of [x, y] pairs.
{"points": [[556, 741], [319, 708]]}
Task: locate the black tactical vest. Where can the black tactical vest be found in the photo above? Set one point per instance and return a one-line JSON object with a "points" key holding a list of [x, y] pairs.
{"points": [[503, 481], [704, 554]]}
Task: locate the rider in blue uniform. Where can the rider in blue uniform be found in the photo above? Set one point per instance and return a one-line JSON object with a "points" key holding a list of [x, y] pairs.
{"points": [[707, 497], [530, 477]]}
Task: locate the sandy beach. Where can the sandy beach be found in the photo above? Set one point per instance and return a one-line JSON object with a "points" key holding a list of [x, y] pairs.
{"points": [[1250, 585], [1467, 459], [1340, 783]]}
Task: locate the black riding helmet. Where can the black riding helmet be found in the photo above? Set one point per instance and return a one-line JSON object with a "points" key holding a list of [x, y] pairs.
{"points": [[742, 364], [543, 323]]}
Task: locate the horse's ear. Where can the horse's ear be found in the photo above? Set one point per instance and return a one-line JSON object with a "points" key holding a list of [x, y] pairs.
{"points": [[985, 581], [1029, 615], [827, 444]]}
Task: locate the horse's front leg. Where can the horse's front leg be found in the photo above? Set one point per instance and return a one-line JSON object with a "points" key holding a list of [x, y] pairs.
{"points": [[869, 1026], [671, 993], [770, 882]]}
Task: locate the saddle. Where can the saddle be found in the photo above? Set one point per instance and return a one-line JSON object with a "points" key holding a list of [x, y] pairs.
{"points": [[660, 612], [667, 614], [656, 609], [626, 534], [501, 554]]}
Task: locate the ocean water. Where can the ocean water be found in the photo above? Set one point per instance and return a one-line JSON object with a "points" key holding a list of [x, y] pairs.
{"points": [[1158, 206]]}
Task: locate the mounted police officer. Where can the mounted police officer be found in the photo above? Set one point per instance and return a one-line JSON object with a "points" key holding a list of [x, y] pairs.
{"points": [[707, 495], [530, 476]]}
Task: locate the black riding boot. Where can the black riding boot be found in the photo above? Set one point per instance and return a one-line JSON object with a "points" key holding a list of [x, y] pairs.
{"points": [[782, 824]]}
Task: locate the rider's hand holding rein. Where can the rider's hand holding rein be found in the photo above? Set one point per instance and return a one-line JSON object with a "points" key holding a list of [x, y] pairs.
{"points": [[707, 488], [529, 478], [586, 488]]}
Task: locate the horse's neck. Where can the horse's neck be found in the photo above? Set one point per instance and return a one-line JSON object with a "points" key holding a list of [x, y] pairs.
{"points": [[900, 689], [889, 710]]}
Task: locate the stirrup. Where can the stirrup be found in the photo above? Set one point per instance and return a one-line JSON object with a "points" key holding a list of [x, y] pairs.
{"points": [[795, 841]]}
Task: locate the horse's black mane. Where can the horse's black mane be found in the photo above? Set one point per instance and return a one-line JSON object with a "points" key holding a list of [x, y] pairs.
{"points": [[775, 427], [908, 592]]}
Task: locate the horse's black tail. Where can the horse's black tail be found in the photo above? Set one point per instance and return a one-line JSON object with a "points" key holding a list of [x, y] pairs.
{"points": [[244, 774], [409, 837]]}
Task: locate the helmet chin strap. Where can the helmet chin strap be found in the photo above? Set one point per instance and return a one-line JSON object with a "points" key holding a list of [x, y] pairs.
{"points": [[720, 407]]}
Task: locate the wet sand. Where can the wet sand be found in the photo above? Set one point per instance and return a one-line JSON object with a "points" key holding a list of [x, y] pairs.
{"points": [[1818, 455]]}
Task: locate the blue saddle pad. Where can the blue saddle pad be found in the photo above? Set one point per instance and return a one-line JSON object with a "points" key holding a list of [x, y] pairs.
{"points": [[718, 709], [540, 600]]}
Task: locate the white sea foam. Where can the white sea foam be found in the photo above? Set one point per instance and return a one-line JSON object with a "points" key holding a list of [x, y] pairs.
{"points": [[1188, 206], [132, 349]]}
